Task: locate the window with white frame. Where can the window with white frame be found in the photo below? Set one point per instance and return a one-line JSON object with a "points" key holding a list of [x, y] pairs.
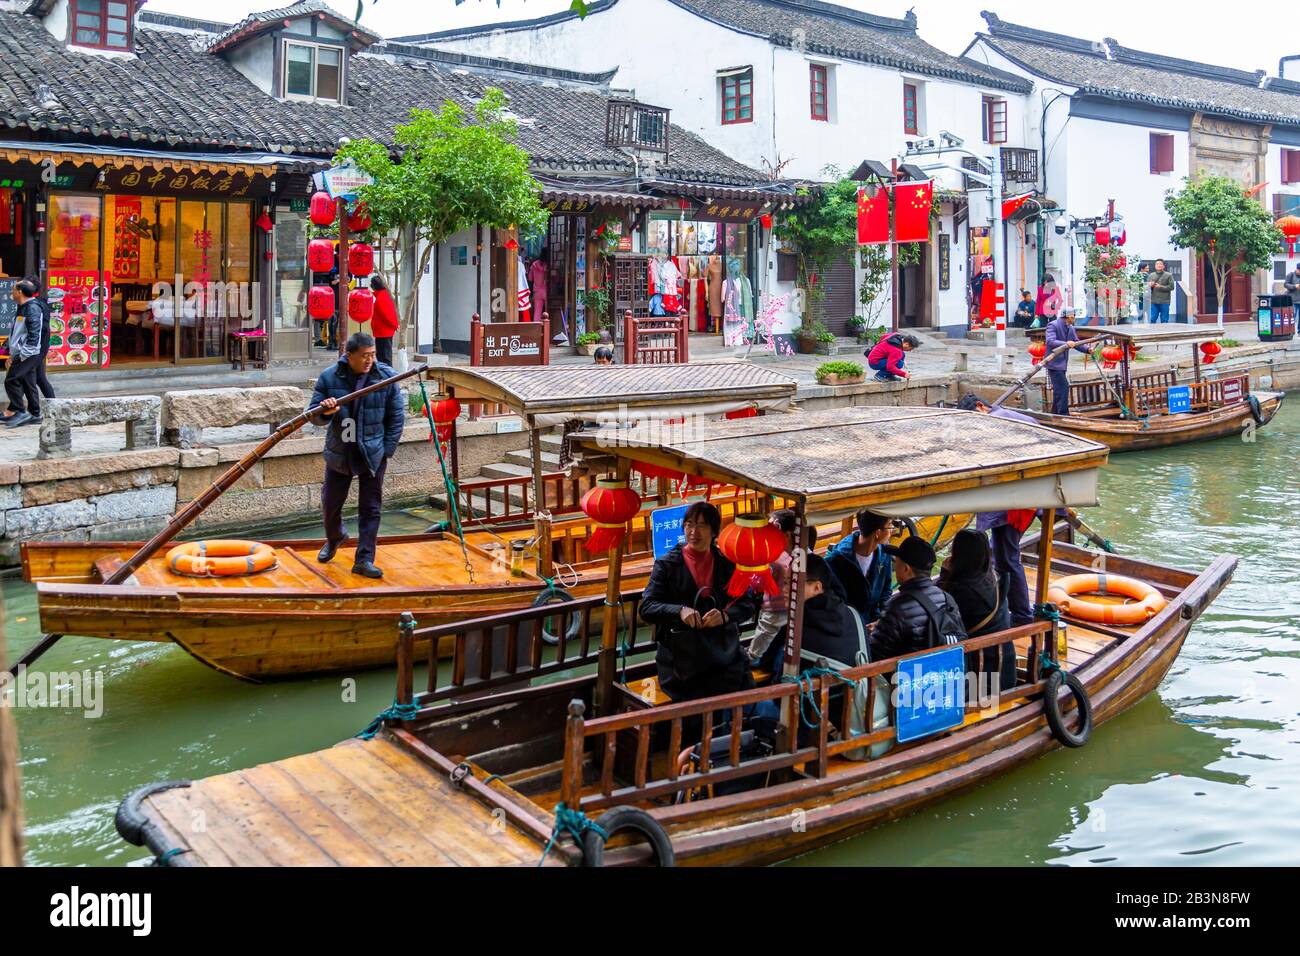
{"points": [[312, 72]]}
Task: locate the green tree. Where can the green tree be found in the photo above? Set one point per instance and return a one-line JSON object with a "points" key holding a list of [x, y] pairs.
{"points": [[452, 170], [1213, 216], [820, 231]]}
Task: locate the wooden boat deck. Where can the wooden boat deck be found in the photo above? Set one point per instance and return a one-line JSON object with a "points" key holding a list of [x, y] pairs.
{"points": [[360, 803]]}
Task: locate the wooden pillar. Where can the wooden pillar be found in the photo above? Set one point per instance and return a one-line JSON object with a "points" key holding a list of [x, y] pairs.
{"points": [[608, 662], [629, 338], [1047, 532], [342, 207], [1126, 382], [541, 513], [1196, 364], [789, 733], [405, 659]]}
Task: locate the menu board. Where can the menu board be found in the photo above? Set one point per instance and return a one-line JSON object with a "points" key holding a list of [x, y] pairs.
{"points": [[79, 318], [8, 313], [126, 242]]}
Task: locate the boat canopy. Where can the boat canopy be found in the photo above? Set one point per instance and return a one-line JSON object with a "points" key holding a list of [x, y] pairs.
{"points": [[1162, 334], [898, 461], [553, 394]]}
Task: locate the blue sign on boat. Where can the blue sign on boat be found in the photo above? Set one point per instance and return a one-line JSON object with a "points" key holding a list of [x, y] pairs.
{"points": [[931, 693], [1180, 399], [666, 528]]}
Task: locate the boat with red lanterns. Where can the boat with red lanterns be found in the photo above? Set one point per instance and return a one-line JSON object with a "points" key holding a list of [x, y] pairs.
{"points": [[1127, 411], [299, 617]]}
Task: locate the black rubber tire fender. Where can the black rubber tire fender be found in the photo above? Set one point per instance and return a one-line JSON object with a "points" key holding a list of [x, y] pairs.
{"points": [[1256, 412], [627, 818], [555, 594], [1052, 706], [137, 829]]}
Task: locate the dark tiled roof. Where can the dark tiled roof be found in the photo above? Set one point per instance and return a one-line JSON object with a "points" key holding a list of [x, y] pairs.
{"points": [[154, 18], [1112, 71], [821, 27], [256, 23], [174, 92]]}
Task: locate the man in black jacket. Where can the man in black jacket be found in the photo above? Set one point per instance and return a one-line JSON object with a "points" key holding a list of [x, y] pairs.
{"points": [[919, 616], [697, 627], [828, 627]]}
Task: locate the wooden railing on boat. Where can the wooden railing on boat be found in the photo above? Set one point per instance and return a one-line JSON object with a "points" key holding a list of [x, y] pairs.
{"points": [[508, 649], [1206, 395], [602, 733], [488, 501]]}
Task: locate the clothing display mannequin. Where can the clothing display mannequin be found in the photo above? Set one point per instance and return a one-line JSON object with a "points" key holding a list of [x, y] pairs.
{"points": [[537, 283], [713, 278]]}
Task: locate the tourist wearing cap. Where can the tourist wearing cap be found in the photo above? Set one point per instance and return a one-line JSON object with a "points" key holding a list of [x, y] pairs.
{"points": [[919, 616], [1059, 332]]}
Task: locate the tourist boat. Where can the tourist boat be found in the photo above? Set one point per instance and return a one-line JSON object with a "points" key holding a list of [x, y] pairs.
{"points": [[301, 617], [484, 762], [1128, 412]]}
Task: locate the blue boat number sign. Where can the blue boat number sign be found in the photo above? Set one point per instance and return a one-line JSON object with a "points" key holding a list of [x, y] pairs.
{"points": [[1180, 399], [666, 529], [930, 691]]}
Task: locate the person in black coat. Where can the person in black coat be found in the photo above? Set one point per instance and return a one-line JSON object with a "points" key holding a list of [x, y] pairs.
{"points": [[828, 627], [907, 624], [697, 626], [968, 577], [358, 444]]}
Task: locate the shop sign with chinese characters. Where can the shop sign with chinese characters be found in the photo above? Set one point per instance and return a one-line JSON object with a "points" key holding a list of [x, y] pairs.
{"points": [[153, 181]]}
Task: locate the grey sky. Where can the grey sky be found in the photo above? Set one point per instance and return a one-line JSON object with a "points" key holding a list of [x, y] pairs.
{"points": [[1251, 37]]}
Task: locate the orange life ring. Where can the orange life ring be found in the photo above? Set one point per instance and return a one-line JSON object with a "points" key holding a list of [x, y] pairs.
{"points": [[1148, 601], [220, 558]]}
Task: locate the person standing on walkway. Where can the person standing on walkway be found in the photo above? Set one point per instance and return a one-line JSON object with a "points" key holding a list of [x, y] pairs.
{"points": [[1048, 304], [1059, 332], [1292, 283], [383, 325], [362, 436], [42, 380], [1161, 284], [25, 358]]}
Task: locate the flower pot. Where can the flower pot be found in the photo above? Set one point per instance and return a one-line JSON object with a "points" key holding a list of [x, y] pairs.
{"points": [[824, 348], [589, 348], [807, 345], [836, 379]]}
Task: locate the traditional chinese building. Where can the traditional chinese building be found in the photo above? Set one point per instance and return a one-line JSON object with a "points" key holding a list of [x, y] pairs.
{"points": [[155, 171]]}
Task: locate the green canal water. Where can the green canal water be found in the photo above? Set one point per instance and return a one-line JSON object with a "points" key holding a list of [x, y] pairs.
{"points": [[1204, 772]]}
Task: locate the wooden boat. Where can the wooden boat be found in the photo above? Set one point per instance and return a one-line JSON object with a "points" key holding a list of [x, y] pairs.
{"points": [[472, 767], [301, 617], [1133, 413]]}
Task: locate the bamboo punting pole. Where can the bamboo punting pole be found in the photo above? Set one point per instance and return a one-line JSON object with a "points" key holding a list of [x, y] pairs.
{"points": [[1024, 380], [196, 507]]}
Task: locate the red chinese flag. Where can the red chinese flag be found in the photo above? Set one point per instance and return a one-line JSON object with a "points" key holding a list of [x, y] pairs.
{"points": [[1009, 206], [912, 211], [873, 218]]}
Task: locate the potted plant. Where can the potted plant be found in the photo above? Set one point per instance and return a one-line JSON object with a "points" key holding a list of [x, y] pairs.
{"points": [[825, 343], [839, 373], [809, 336], [588, 342], [595, 303]]}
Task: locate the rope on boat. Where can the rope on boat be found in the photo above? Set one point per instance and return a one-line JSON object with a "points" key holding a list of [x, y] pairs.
{"points": [[574, 823], [173, 852], [394, 712], [452, 491], [806, 695], [1047, 612], [938, 534], [624, 648]]}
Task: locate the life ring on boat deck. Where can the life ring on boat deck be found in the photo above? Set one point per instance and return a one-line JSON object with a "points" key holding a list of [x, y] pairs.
{"points": [[1256, 412], [556, 594], [198, 559], [1052, 705], [1149, 601], [626, 818]]}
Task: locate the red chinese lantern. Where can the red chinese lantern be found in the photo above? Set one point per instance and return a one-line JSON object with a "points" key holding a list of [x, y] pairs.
{"points": [[444, 411], [1290, 226], [1209, 350], [359, 219], [1111, 355], [765, 220], [264, 221], [610, 506], [361, 305], [361, 259], [1037, 350], [753, 544], [320, 255], [1102, 235], [320, 302], [321, 209]]}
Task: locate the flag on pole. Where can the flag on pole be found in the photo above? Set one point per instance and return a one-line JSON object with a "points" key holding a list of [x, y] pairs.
{"points": [[1009, 206], [525, 297], [873, 218], [912, 203]]}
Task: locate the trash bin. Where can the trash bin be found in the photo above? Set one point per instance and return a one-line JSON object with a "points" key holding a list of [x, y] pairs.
{"points": [[1276, 318]]}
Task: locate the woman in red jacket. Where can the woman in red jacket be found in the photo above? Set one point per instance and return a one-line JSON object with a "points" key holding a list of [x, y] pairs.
{"points": [[383, 326]]}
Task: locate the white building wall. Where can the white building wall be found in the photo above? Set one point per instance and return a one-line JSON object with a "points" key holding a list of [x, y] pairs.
{"points": [[1275, 187], [456, 300]]}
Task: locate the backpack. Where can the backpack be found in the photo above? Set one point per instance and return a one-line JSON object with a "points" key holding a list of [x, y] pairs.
{"points": [[880, 708], [945, 628]]}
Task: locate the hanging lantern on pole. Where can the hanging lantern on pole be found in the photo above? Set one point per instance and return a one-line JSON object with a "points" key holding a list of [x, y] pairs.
{"points": [[1037, 350], [1290, 226], [359, 219], [361, 259], [320, 255], [1209, 350], [321, 209], [444, 411], [320, 302], [361, 305], [752, 543], [1111, 355], [264, 221], [610, 506]]}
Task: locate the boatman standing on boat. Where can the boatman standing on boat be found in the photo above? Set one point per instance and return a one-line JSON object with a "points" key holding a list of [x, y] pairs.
{"points": [[1060, 331], [362, 436]]}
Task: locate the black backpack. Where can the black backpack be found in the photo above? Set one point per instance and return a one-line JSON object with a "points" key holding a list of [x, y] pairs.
{"points": [[945, 626]]}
